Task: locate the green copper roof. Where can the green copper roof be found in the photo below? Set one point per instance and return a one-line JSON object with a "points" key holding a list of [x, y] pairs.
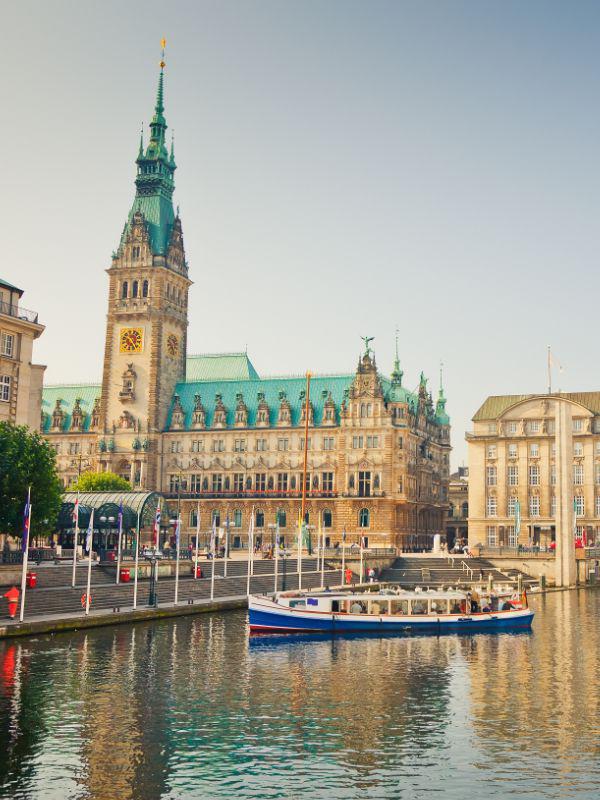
{"points": [[68, 394], [496, 405], [219, 367], [8, 285]]}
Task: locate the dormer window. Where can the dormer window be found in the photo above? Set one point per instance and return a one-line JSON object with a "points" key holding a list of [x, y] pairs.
{"points": [[135, 251]]}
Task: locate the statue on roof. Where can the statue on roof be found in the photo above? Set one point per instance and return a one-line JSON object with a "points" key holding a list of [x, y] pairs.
{"points": [[367, 340]]}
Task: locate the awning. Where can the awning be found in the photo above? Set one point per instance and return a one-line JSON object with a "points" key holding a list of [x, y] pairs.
{"points": [[106, 508]]}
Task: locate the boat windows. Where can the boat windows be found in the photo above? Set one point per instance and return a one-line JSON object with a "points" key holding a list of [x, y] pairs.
{"points": [[297, 603], [438, 607], [455, 607], [399, 608], [419, 606]]}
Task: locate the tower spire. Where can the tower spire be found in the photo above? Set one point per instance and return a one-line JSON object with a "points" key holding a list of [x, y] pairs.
{"points": [[397, 372]]}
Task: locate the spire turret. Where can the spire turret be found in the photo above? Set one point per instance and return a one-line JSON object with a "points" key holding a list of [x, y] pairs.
{"points": [[397, 373]]}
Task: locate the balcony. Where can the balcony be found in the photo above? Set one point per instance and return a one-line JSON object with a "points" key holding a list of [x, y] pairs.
{"points": [[249, 494], [18, 312]]}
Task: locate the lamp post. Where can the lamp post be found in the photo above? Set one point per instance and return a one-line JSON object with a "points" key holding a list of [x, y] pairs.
{"points": [[152, 558]]}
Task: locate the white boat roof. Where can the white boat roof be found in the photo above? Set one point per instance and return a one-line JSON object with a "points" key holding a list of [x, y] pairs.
{"points": [[450, 594]]}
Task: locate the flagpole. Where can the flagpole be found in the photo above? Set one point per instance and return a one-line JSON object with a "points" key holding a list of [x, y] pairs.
{"points": [[361, 559], [276, 555], [250, 545], [343, 555], [213, 540], [26, 533], [177, 538], [549, 372], [89, 572], [75, 541], [226, 546], [197, 541], [137, 555], [300, 532], [118, 577], [252, 551], [322, 553]]}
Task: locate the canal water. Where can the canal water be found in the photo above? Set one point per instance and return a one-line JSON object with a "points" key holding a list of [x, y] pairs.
{"points": [[190, 709]]}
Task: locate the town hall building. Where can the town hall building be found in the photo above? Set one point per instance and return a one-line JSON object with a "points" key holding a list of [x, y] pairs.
{"points": [[210, 432]]}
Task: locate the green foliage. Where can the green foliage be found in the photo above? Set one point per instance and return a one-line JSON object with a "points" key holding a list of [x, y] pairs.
{"points": [[26, 459], [100, 482]]}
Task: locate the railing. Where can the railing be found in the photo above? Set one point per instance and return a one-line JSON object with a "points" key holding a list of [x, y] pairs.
{"points": [[466, 568], [514, 552], [18, 312], [249, 494], [35, 554]]}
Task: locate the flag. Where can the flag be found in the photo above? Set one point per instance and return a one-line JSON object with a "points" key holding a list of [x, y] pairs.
{"points": [[26, 521], [251, 532], [363, 542], [156, 528], [120, 515], [213, 536], [554, 362], [89, 534], [76, 511], [575, 517], [524, 601], [344, 535], [517, 517], [177, 531]]}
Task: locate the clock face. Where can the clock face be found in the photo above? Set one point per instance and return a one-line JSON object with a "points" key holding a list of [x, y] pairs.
{"points": [[131, 340], [172, 345]]}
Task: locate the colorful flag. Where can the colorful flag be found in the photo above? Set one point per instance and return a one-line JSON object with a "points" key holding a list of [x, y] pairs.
{"points": [[363, 542], [120, 515], [517, 517], [89, 534], [76, 511], [344, 535], [177, 531], [26, 521], [156, 529]]}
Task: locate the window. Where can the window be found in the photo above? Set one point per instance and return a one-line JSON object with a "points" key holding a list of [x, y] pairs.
{"points": [[534, 505], [74, 448], [513, 475], [512, 506], [533, 426], [173, 483], [534, 450], [281, 518], [578, 449], [134, 289], [239, 446], [597, 474], [282, 481], [237, 518], [327, 481], [512, 427], [135, 251], [216, 518], [512, 536], [4, 388], [195, 483], [176, 446], [301, 444], [491, 451], [261, 444], [492, 537], [577, 424], [124, 289], [552, 474], [512, 450], [491, 476], [145, 289], [193, 518], [238, 482], [491, 506], [218, 445], [534, 475], [327, 518], [578, 474], [364, 484], [597, 502], [363, 518], [197, 446], [283, 444], [259, 519], [217, 482], [550, 428], [260, 482], [579, 505], [7, 345], [357, 442], [598, 448], [328, 443], [372, 441], [552, 505]]}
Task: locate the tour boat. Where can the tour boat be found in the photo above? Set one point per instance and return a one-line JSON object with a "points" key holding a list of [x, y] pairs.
{"points": [[384, 611]]}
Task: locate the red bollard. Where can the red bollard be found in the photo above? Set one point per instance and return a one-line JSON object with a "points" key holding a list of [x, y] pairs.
{"points": [[31, 578], [198, 572], [13, 601]]}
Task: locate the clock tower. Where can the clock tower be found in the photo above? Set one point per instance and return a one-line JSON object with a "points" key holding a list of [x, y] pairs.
{"points": [[147, 318]]}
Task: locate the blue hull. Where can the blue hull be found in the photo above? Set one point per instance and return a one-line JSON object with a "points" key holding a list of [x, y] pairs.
{"points": [[268, 622]]}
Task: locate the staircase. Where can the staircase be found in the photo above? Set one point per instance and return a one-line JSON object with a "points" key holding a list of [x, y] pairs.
{"points": [[410, 571]]}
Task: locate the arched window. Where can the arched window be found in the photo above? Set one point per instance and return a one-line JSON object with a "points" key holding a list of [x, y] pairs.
{"points": [[376, 482], [193, 518], [216, 517], [351, 482], [327, 518], [270, 483], [168, 290], [237, 518], [134, 289], [465, 510], [281, 518], [124, 289], [363, 518], [248, 482], [260, 519], [293, 482], [451, 509], [205, 484], [227, 483], [145, 289]]}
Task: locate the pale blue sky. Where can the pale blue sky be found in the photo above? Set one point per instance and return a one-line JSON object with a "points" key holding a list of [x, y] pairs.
{"points": [[343, 167]]}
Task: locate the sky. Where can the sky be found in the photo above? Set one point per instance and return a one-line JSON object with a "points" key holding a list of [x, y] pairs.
{"points": [[344, 169]]}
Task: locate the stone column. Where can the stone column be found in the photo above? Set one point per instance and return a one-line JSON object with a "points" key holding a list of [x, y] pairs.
{"points": [[565, 566]]}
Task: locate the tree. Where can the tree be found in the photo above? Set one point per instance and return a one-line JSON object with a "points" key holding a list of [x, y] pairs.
{"points": [[27, 460], [100, 482]]}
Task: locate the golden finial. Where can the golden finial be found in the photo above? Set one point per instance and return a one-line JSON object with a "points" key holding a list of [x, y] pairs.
{"points": [[163, 44]]}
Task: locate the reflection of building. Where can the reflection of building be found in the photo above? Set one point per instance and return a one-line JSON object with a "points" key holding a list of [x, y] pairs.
{"points": [[209, 429], [20, 379], [458, 506]]}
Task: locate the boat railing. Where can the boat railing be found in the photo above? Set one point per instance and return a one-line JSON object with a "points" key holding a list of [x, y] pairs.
{"points": [[466, 568]]}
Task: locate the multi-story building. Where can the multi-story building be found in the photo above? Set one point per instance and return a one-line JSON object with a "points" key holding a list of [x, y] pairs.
{"points": [[20, 379], [458, 507], [208, 430], [515, 477]]}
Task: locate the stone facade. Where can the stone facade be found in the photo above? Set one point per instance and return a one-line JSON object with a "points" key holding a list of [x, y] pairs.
{"points": [[457, 526], [209, 431], [515, 456], [20, 379]]}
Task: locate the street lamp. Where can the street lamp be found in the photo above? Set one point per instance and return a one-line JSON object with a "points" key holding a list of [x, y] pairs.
{"points": [[152, 558]]}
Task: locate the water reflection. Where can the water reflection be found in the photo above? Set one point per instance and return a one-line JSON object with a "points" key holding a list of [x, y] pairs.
{"points": [[187, 709]]}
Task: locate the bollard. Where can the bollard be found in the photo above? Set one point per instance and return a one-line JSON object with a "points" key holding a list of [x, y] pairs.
{"points": [[543, 582]]}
